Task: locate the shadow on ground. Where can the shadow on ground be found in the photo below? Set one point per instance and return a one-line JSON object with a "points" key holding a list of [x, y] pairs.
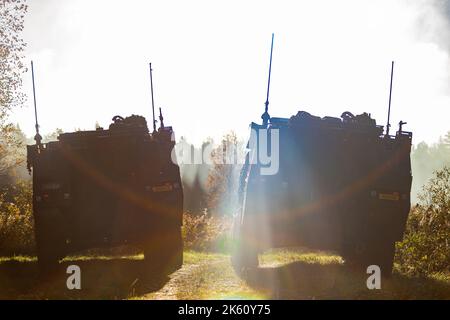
{"points": [[116, 278], [301, 280]]}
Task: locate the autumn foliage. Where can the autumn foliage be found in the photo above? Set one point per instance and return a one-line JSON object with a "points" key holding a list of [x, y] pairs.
{"points": [[425, 248]]}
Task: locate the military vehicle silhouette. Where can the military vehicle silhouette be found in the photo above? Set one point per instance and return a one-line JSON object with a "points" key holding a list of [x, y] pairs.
{"points": [[342, 185], [105, 188]]}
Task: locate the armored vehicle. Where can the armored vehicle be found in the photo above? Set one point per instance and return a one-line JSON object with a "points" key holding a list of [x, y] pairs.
{"points": [[105, 188], [341, 184]]}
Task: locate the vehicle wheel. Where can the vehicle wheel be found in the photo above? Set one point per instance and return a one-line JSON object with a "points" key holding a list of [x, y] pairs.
{"points": [[49, 243], [165, 254], [380, 254], [48, 254], [175, 259], [383, 256], [244, 258]]}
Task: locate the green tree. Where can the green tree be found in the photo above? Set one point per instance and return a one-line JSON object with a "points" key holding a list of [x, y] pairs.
{"points": [[425, 159], [16, 219], [447, 140], [425, 248], [222, 180], [12, 13], [12, 153]]}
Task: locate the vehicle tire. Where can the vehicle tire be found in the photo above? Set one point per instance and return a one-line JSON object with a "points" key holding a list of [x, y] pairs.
{"points": [[383, 256], [380, 254], [244, 258], [164, 255], [48, 254], [48, 248], [175, 260]]}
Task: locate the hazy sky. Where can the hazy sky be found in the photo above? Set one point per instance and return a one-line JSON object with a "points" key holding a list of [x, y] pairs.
{"points": [[210, 61]]}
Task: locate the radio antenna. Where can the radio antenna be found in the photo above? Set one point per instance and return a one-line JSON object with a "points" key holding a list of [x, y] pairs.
{"points": [[390, 95], [265, 116], [37, 137], [153, 101]]}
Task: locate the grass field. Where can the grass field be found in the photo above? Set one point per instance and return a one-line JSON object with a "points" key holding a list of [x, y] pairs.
{"points": [[293, 274]]}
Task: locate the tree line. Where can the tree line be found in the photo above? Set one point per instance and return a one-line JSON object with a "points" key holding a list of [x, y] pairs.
{"points": [[210, 189]]}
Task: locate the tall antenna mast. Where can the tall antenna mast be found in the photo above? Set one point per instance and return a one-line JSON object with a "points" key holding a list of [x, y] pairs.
{"points": [[153, 101], [390, 95], [265, 116], [37, 137]]}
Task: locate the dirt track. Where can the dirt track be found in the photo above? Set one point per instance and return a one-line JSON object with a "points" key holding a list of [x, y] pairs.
{"points": [[290, 275], [282, 275]]}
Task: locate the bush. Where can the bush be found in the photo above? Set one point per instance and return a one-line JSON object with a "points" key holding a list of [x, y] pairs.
{"points": [[205, 233], [16, 220], [425, 248]]}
